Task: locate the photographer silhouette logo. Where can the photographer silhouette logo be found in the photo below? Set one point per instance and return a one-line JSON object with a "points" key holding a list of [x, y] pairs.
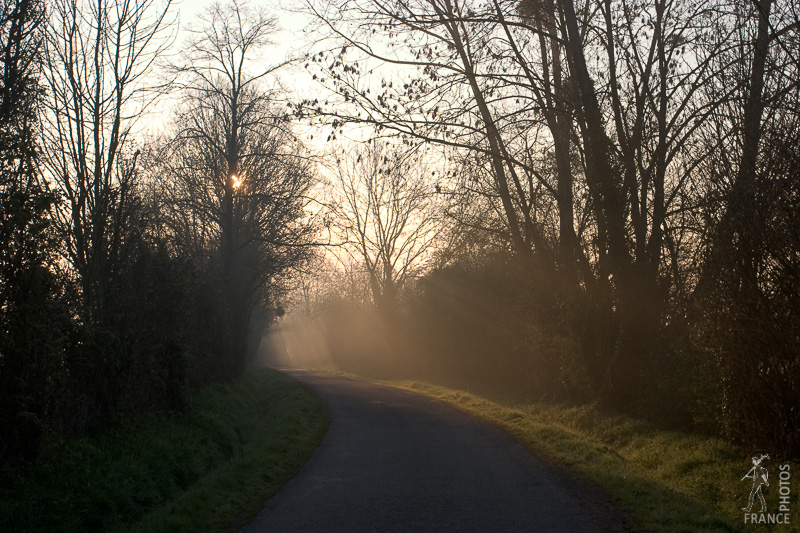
{"points": [[759, 474]]}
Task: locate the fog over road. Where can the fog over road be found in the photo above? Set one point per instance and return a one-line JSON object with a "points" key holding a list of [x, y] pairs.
{"points": [[401, 462]]}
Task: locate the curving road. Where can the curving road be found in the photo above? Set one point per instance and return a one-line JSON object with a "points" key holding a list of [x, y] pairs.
{"points": [[394, 461]]}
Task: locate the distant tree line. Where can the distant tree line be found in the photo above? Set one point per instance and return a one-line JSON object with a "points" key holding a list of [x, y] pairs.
{"points": [[624, 184], [133, 269]]}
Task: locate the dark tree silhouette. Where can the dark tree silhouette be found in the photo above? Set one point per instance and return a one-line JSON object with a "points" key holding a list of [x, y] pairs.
{"points": [[33, 321], [237, 178]]}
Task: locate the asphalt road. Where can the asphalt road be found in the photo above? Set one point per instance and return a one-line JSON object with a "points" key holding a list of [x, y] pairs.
{"points": [[394, 461]]}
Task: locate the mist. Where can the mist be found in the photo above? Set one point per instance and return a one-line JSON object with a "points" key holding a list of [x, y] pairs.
{"points": [[295, 343]]}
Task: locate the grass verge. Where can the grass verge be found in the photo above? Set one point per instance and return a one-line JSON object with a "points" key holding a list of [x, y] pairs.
{"points": [[668, 481], [209, 469]]}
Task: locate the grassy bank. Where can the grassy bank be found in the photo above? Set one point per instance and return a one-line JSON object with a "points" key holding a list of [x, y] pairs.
{"points": [[668, 481], [209, 469]]}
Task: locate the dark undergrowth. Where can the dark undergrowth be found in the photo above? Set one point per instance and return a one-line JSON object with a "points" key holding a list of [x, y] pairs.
{"points": [[208, 469]]}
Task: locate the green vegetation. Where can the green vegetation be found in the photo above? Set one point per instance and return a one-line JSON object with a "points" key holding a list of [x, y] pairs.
{"points": [[669, 481], [208, 469]]}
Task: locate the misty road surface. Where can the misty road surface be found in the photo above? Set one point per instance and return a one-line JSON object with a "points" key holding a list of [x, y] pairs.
{"points": [[397, 461]]}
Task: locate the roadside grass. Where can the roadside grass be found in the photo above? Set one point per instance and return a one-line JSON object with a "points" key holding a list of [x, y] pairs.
{"points": [[667, 481], [209, 469]]}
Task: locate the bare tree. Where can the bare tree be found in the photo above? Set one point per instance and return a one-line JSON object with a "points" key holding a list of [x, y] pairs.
{"points": [[237, 178], [383, 209], [99, 60], [32, 323], [745, 302], [607, 138]]}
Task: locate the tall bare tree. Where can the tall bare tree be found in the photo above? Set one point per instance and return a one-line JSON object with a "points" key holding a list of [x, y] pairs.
{"points": [[745, 302], [32, 320], [99, 59], [238, 177], [384, 211]]}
